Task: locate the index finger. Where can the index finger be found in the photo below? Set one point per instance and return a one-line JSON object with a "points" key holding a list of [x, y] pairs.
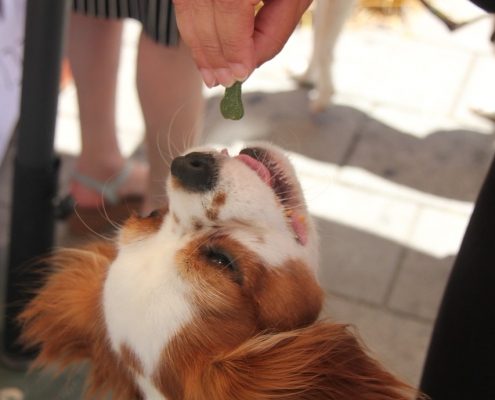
{"points": [[271, 31], [235, 29]]}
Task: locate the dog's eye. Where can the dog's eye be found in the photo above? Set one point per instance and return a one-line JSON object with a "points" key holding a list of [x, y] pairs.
{"points": [[220, 259], [224, 262]]}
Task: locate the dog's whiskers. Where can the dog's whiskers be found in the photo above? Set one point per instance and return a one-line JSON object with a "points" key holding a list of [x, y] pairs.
{"points": [[89, 228]]}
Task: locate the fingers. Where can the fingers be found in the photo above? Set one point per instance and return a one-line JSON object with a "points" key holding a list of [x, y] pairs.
{"points": [[219, 33], [235, 31], [271, 32], [228, 41]]}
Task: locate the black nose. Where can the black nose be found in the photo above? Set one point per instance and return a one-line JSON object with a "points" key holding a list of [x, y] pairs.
{"points": [[196, 171]]}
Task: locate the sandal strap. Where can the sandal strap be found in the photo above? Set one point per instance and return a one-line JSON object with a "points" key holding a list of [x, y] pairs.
{"points": [[109, 188]]}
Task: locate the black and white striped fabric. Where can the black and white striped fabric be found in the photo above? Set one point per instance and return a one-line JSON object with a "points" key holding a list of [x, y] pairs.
{"points": [[157, 16]]}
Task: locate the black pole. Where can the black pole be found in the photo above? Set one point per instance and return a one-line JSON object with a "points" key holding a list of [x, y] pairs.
{"points": [[35, 173]]}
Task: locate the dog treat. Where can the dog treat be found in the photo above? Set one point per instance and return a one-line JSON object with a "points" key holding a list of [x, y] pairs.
{"points": [[231, 105]]}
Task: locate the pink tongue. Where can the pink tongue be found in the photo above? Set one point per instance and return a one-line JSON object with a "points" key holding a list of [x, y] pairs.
{"points": [[257, 167]]}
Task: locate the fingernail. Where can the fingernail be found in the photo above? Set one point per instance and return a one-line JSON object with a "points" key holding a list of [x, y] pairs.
{"points": [[208, 77], [224, 77], [239, 71]]}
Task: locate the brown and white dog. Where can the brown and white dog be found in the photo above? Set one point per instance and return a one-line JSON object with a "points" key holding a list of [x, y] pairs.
{"points": [[215, 299]]}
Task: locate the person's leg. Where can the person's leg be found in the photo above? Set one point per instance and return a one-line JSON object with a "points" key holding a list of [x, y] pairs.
{"points": [[94, 53], [170, 91], [459, 364]]}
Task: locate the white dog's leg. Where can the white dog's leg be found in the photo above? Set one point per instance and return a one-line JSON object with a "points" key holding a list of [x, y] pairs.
{"points": [[329, 19]]}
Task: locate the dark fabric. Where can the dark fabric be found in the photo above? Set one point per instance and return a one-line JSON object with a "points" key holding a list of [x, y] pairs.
{"points": [[460, 362], [488, 5], [156, 16]]}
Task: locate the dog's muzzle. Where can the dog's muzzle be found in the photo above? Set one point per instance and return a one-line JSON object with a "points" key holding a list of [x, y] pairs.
{"points": [[196, 172]]}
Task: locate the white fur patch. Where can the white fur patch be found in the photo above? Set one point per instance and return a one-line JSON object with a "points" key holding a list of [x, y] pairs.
{"points": [[148, 390], [145, 299]]}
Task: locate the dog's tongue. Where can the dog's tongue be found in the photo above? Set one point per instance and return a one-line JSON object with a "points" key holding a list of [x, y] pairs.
{"points": [[257, 167]]}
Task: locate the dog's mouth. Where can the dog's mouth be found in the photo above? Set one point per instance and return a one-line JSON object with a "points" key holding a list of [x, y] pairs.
{"points": [[270, 169]]}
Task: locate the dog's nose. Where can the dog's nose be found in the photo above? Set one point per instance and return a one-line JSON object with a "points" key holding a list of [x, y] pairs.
{"points": [[196, 171]]}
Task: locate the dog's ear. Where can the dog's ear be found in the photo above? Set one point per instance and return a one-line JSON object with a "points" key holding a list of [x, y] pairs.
{"points": [[288, 297], [321, 361], [65, 319]]}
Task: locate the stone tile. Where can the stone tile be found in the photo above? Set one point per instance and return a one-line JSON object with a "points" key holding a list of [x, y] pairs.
{"points": [[356, 264], [367, 181], [420, 284], [283, 118], [422, 124], [399, 342], [472, 38], [438, 233], [450, 164], [41, 386], [374, 213], [478, 92], [390, 68]]}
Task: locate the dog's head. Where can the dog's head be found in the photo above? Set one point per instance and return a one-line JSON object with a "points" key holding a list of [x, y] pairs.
{"points": [[216, 298]]}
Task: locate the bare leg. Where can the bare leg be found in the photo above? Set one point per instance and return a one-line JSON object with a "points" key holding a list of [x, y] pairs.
{"points": [[169, 88], [94, 51]]}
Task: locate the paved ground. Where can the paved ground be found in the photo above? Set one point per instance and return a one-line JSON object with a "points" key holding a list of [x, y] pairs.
{"points": [[390, 170]]}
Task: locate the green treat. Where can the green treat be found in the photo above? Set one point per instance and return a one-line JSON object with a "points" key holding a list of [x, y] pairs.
{"points": [[231, 105]]}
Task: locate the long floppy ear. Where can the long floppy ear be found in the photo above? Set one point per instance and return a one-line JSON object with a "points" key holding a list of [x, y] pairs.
{"points": [[65, 319], [321, 361]]}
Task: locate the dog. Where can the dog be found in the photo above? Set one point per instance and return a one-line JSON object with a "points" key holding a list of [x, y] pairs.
{"points": [[329, 17], [214, 298]]}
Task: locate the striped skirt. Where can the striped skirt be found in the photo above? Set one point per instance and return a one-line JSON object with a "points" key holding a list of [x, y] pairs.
{"points": [[156, 16]]}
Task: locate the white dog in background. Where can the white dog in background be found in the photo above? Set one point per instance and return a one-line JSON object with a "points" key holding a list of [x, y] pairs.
{"points": [[329, 17]]}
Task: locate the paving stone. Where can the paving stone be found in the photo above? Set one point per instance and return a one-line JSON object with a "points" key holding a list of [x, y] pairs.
{"points": [[478, 92], [422, 124], [368, 181], [399, 342], [44, 386], [356, 264], [397, 69], [438, 233], [450, 164], [374, 213], [283, 118], [420, 284]]}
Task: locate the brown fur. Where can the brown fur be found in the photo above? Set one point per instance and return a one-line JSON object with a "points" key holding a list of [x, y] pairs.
{"points": [[137, 227], [254, 338], [66, 320], [320, 361]]}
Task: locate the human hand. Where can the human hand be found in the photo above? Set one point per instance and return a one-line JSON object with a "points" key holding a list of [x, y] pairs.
{"points": [[228, 41]]}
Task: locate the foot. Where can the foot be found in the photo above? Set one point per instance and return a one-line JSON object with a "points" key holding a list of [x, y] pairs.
{"points": [[134, 184]]}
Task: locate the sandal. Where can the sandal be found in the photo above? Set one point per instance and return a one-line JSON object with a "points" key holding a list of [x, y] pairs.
{"points": [[111, 212]]}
